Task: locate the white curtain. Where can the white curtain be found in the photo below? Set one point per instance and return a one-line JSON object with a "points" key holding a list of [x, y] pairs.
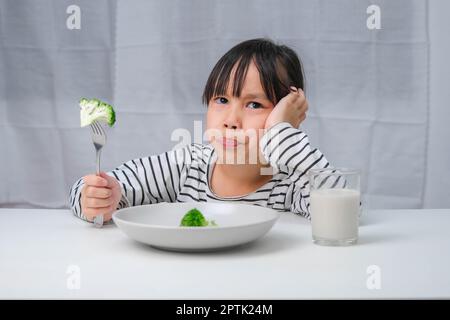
{"points": [[368, 89]]}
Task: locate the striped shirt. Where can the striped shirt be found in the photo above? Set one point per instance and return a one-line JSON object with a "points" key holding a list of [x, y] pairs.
{"points": [[184, 175]]}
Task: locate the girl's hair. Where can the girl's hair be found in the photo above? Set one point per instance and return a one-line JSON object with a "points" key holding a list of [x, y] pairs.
{"points": [[278, 65]]}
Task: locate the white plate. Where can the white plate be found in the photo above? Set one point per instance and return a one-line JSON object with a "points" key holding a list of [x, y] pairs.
{"points": [[159, 225]]}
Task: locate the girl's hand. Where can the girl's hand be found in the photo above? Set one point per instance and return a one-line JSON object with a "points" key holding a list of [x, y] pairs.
{"points": [[100, 196], [291, 108]]}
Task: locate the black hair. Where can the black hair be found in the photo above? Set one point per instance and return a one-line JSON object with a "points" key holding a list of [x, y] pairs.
{"points": [[278, 65]]}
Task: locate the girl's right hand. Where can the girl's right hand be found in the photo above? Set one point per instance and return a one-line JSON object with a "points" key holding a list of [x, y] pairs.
{"points": [[291, 108], [100, 195]]}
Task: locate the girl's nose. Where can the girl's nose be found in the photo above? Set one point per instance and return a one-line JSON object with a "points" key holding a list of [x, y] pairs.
{"points": [[233, 119], [230, 126]]}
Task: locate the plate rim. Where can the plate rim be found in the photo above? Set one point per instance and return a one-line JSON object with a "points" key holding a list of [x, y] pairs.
{"points": [[276, 213]]}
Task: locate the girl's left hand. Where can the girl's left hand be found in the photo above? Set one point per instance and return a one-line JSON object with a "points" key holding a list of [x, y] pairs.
{"points": [[291, 108]]}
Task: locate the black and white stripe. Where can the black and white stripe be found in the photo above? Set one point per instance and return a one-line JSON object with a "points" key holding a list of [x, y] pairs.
{"points": [[182, 175]]}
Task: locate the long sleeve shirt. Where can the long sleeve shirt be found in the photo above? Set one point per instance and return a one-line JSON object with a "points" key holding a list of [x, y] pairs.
{"points": [[184, 175]]}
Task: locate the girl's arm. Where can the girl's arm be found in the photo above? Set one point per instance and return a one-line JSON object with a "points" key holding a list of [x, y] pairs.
{"points": [[145, 180], [286, 147]]}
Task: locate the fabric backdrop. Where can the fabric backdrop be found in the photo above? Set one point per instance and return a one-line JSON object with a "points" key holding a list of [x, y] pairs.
{"points": [[367, 89]]}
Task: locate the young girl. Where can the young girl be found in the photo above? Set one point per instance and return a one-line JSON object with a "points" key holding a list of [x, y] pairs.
{"points": [[255, 104]]}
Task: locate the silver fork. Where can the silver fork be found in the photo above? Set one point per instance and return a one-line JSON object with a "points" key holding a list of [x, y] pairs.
{"points": [[99, 140]]}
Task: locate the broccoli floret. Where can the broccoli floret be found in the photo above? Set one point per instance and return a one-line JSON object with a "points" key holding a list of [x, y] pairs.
{"points": [[194, 218], [96, 110]]}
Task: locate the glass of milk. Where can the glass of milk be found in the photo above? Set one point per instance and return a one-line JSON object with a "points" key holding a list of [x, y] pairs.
{"points": [[334, 205]]}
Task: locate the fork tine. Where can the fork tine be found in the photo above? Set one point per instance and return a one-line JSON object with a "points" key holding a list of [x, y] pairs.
{"points": [[95, 125], [97, 130], [94, 129], [100, 129]]}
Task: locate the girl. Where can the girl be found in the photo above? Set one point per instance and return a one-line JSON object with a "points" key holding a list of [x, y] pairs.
{"points": [[256, 153]]}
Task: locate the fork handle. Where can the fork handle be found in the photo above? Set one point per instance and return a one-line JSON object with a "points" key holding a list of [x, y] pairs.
{"points": [[98, 220], [98, 152]]}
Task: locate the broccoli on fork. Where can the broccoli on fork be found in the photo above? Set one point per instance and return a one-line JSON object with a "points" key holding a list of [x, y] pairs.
{"points": [[96, 110]]}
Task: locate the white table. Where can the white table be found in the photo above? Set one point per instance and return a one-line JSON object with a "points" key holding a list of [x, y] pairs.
{"points": [[410, 248]]}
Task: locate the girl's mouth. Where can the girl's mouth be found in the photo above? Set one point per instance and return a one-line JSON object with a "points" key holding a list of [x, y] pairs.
{"points": [[229, 143]]}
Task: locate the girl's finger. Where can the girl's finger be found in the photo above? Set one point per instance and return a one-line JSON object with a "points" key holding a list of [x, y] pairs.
{"points": [[95, 192], [304, 106], [112, 182], [93, 180], [98, 203]]}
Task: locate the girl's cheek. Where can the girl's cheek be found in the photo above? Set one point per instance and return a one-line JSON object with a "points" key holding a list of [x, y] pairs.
{"points": [[256, 121], [212, 118]]}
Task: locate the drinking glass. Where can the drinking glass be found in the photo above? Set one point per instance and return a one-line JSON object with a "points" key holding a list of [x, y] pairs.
{"points": [[335, 205]]}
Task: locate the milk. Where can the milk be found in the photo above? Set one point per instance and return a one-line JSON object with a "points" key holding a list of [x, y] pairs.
{"points": [[334, 214]]}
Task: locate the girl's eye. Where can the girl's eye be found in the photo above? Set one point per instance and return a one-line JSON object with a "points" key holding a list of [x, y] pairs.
{"points": [[255, 105], [221, 100]]}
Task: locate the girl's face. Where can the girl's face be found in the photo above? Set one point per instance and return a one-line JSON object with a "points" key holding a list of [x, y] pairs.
{"points": [[235, 124]]}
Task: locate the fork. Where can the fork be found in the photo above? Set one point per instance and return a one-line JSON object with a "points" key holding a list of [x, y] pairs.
{"points": [[99, 140]]}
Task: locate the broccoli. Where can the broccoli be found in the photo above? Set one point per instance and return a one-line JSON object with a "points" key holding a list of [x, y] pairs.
{"points": [[94, 109], [194, 218]]}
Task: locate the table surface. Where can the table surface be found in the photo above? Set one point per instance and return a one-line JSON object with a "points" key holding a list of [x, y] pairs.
{"points": [[46, 254]]}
